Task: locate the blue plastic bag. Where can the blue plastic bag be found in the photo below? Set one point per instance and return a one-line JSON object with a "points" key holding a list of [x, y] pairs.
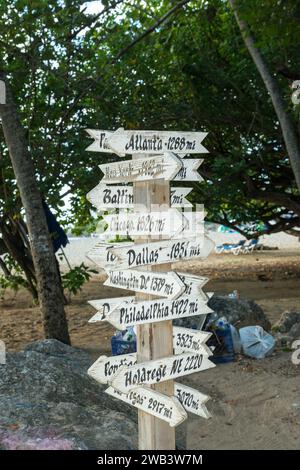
{"points": [[256, 342]]}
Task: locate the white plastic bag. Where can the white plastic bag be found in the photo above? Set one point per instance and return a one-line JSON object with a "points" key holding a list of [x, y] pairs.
{"points": [[256, 342]]}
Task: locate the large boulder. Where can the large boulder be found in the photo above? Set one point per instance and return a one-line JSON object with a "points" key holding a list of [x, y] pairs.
{"points": [[287, 329], [239, 312], [47, 401]]}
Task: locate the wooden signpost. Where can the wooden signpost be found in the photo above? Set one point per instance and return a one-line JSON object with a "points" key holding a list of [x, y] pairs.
{"points": [[105, 197], [2, 92], [145, 379], [164, 166]]}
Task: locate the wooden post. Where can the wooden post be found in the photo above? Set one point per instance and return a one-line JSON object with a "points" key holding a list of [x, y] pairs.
{"points": [[154, 340]]}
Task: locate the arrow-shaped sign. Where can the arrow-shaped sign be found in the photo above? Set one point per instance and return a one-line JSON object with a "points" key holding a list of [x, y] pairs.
{"points": [[156, 142], [189, 340], [170, 285], [105, 197], [105, 306], [164, 166], [167, 285], [100, 143], [160, 252], [184, 340], [151, 311], [170, 223], [103, 257], [189, 171], [155, 403], [192, 400], [159, 370], [2, 92]]}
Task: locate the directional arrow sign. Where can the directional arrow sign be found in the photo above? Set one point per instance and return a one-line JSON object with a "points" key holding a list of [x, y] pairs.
{"points": [[2, 92], [189, 171], [193, 285], [170, 223], [145, 223], [189, 340], [103, 257], [105, 306], [162, 252], [155, 403], [159, 370], [192, 400], [104, 369], [157, 310], [178, 197], [164, 166], [105, 197], [184, 340], [100, 143], [167, 285], [156, 142]]}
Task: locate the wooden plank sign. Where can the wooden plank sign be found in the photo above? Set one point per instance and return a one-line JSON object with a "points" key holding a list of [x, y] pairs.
{"points": [[151, 311], [189, 340], [170, 285], [160, 252], [170, 223], [2, 92], [189, 172], [100, 142], [105, 306], [167, 285], [164, 166], [105, 368], [155, 403], [103, 257], [159, 370], [105, 197], [192, 400], [156, 142]]}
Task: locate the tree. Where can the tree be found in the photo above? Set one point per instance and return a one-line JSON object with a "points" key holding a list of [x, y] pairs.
{"points": [[49, 288]]}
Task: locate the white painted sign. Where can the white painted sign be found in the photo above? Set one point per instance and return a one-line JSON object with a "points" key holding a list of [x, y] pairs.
{"points": [[159, 370], [189, 340], [178, 197], [192, 400], [104, 369], [164, 166], [167, 285], [100, 143], [189, 171], [103, 257], [170, 285], [156, 142], [151, 311], [2, 92], [105, 197], [161, 252], [155, 403], [105, 306], [169, 223]]}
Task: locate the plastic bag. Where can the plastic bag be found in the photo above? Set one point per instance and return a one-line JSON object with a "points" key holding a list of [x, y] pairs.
{"points": [[256, 342], [236, 340]]}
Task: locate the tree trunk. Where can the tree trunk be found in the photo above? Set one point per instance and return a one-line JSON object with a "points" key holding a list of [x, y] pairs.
{"points": [[288, 127], [49, 287]]}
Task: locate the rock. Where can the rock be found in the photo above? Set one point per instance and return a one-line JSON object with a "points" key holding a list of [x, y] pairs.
{"points": [[239, 312], [289, 324], [47, 401]]}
